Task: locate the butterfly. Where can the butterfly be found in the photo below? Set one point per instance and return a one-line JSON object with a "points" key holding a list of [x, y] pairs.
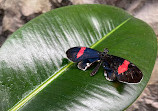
{"points": [[115, 68]]}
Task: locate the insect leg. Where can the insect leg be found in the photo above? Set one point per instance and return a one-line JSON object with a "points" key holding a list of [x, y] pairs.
{"points": [[95, 70]]}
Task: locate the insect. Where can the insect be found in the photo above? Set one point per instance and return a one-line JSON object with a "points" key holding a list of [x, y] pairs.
{"points": [[115, 68]]}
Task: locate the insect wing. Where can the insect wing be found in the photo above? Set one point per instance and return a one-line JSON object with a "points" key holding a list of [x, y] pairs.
{"points": [[83, 65], [132, 75], [108, 72], [122, 70], [77, 54]]}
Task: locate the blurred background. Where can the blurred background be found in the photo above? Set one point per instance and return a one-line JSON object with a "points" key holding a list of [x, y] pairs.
{"points": [[15, 13]]}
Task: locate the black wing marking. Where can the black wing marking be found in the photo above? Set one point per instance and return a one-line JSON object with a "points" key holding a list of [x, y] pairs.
{"points": [[131, 75]]}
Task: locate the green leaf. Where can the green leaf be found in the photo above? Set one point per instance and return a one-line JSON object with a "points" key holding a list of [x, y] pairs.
{"points": [[35, 74]]}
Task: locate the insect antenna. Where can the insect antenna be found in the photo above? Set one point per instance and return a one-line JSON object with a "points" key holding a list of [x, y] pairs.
{"points": [[95, 70]]}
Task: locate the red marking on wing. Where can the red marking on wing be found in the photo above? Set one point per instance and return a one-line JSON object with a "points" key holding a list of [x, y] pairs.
{"points": [[124, 67], [81, 51]]}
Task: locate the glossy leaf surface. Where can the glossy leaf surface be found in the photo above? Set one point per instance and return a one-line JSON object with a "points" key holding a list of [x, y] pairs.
{"points": [[35, 74]]}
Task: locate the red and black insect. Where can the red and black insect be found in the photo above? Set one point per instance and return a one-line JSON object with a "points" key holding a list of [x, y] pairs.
{"points": [[116, 68]]}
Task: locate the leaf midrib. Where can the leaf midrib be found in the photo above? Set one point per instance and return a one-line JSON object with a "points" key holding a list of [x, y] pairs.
{"points": [[57, 74]]}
